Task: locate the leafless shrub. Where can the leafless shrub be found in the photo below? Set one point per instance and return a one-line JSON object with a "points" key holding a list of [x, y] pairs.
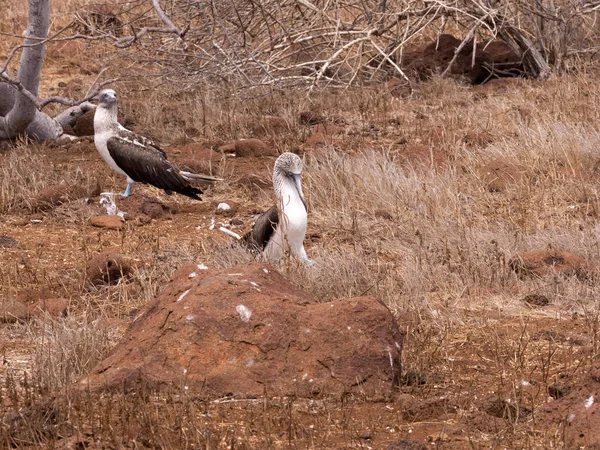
{"points": [[341, 43]]}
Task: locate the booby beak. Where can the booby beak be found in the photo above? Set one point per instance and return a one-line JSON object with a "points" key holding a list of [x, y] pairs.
{"points": [[298, 185]]}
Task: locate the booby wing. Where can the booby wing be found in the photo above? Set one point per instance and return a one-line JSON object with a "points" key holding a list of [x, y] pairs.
{"points": [[264, 227], [144, 161]]}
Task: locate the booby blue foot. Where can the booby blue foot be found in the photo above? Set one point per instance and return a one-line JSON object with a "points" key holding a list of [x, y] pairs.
{"points": [[308, 262], [127, 192]]}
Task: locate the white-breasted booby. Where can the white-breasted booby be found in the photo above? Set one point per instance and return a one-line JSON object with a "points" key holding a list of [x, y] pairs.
{"points": [[282, 228], [137, 157]]}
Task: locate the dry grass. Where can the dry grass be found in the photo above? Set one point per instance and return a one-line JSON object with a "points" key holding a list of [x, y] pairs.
{"points": [[427, 237], [28, 169], [66, 349]]}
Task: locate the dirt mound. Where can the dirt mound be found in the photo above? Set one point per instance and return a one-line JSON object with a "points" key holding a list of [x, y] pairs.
{"points": [[499, 175], [422, 155], [494, 57], [578, 413], [545, 262], [248, 147], [248, 332], [61, 193]]}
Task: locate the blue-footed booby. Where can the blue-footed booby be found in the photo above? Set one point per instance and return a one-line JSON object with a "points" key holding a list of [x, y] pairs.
{"points": [[282, 228], [137, 157]]}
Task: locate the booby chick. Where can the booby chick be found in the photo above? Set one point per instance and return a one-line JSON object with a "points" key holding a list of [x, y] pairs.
{"points": [[282, 228], [137, 157]]}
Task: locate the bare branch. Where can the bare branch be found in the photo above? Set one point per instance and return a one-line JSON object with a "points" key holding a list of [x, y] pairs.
{"points": [[70, 102], [166, 19]]}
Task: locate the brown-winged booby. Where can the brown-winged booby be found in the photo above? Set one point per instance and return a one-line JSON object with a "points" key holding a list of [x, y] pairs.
{"points": [[137, 157]]}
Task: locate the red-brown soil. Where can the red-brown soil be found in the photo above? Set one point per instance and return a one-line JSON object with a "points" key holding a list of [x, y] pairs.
{"points": [[482, 376]]}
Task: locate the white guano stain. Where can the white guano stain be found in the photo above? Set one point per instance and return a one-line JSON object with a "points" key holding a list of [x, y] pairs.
{"points": [[182, 295], [244, 312]]}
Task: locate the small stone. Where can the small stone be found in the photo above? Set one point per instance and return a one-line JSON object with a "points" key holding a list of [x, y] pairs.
{"points": [[503, 409], [8, 242], [227, 209], [383, 214], [61, 193], [144, 219], [153, 208], [407, 444], [110, 222], [20, 222], [536, 300], [107, 268], [237, 222], [311, 118], [559, 390]]}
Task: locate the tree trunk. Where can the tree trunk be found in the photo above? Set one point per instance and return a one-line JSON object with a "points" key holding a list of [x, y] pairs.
{"points": [[23, 110]]}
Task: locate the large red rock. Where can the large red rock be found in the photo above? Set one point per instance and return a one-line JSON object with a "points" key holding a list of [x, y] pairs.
{"points": [[577, 414], [248, 332]]}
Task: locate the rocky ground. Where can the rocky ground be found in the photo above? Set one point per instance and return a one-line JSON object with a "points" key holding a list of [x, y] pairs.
{"points": [[456, 223]]}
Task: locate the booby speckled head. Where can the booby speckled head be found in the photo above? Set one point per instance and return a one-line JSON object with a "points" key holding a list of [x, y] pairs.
{"points": [[289, 163], [107, 98]]}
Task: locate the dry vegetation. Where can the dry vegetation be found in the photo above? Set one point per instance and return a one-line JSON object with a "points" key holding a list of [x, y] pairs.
{"points": [[399, 208]]}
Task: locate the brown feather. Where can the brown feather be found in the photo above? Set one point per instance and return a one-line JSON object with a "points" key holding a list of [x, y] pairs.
{"points": [[264, 227], [148, 163]]}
